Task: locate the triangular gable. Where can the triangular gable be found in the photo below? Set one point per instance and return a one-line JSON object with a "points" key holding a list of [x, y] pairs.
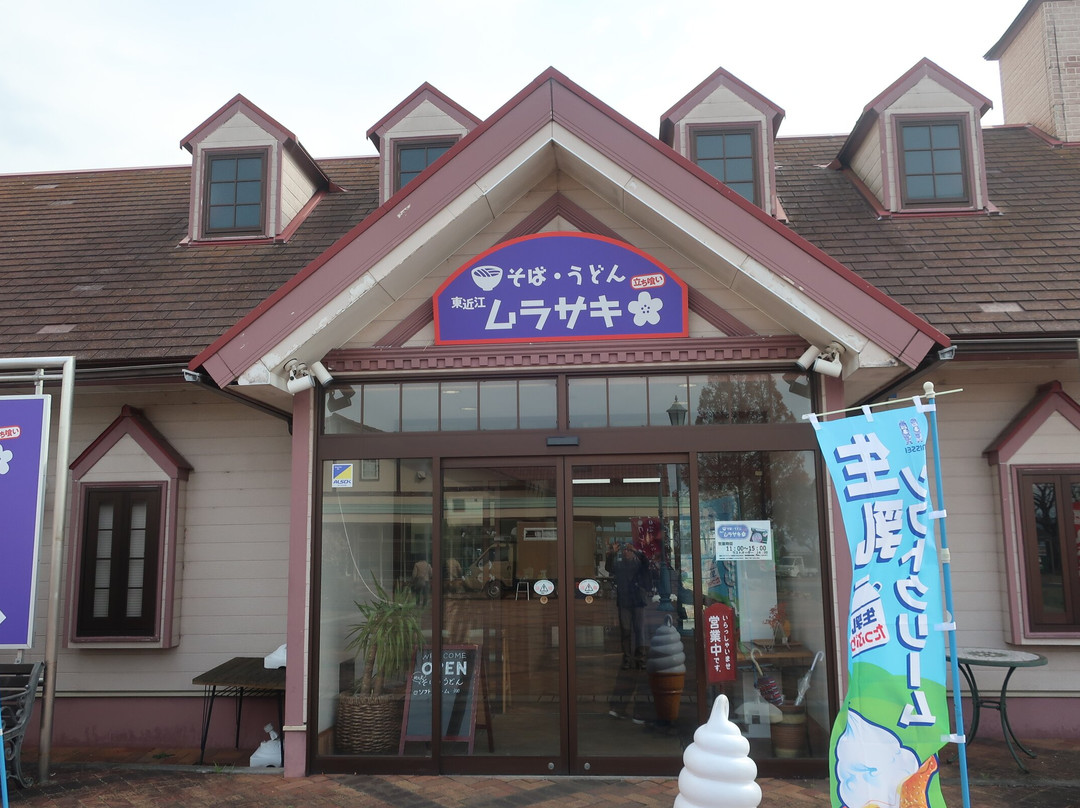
{"points": [[131, 422], [557, 206], [551, 121], [921, 70], [231, 107], [1050, 399], [719, 78], [425, 92], [239, 104]]}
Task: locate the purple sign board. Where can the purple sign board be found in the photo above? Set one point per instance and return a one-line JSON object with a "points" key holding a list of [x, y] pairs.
{"points": [[555, 287], [24, 442]]}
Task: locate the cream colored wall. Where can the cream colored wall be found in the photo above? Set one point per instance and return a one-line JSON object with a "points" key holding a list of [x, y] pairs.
{"points": [[1056, 441], [992, 395], [1025, 80], [708, 281], [867, 164], [240, 132], [296, 190], [233, 583]]}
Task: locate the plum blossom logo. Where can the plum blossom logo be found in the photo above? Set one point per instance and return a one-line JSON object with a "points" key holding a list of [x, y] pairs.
{"points": [[5, 459], [646, 309]]}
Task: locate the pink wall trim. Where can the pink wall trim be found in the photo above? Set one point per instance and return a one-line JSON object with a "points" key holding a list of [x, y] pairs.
{"points": [[154, 722], [296, 713], [833, 399]]}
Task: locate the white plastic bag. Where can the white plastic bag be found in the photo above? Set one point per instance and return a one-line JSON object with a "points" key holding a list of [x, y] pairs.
{"points": [[269, 752], [275, 659]]}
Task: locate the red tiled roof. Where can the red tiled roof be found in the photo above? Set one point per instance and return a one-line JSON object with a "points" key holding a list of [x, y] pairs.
{"points": [[91, 263], [986, 275]]}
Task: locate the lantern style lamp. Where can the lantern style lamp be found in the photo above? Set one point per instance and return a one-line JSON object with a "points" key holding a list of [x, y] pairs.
{"points": [[676, 413]]}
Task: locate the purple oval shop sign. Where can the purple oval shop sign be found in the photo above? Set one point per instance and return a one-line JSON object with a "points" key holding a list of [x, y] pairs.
{"points": [[552, 287]]}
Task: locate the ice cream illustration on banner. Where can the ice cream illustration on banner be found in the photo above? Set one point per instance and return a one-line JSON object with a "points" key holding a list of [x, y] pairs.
{"points": [[874, 771], [717, 770], [667, 670]]}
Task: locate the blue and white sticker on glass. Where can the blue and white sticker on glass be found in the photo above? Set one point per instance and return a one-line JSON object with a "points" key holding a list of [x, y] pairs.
{"points": [[341, 475]]}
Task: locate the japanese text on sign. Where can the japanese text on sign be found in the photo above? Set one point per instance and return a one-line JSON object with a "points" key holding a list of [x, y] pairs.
{"points": [[891, 546], [743, 541], [720, 662], [560, 286]]}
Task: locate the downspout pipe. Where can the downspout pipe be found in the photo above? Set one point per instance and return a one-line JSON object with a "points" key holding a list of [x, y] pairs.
{"points": [[206, 383], [930, 362]]}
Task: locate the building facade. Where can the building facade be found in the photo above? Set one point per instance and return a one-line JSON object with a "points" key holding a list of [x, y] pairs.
{"points": [[537, 383]]}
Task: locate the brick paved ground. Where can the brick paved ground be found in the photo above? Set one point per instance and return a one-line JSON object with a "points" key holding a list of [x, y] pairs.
{"points": [[1054, 782]]}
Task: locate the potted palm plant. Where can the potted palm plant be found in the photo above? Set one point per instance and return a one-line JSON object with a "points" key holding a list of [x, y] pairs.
{"points": [[385, 641]]}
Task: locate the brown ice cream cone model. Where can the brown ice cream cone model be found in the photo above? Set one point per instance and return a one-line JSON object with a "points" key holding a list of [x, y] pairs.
{"points": [[667, 671]]}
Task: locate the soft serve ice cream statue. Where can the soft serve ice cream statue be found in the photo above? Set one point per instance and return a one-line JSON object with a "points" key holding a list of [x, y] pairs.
{"points": [[717, 770], [874, 771]]}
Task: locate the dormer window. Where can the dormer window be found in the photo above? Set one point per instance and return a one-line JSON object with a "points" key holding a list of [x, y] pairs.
{"points": [[251, 180], [917, 148], [933, 162], [235, 193], [727, 129], [415, 134], [729, 155], [413, 157]]}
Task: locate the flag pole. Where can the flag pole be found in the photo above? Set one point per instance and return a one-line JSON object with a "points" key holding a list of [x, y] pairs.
{"points": [[950, 625]]}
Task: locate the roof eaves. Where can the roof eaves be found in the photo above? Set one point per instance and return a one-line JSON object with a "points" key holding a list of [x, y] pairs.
{"points": [[792, 257]]}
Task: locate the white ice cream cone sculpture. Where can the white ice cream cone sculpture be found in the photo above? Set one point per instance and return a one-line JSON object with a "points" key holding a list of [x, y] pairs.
{"points": [[717, 770], [667, 671]]}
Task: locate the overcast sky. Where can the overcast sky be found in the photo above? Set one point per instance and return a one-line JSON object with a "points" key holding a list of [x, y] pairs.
{"points": [[112, 83]]}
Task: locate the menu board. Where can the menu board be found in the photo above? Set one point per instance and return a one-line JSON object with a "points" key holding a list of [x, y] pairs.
{"points": [[458, 670]]}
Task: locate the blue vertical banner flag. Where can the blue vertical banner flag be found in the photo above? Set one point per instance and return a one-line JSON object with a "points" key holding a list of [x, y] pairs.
{"points": [[886, 739], [24, 441]]}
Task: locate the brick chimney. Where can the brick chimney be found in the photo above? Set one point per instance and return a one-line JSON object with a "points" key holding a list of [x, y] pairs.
{"points": [[1039, 59]]}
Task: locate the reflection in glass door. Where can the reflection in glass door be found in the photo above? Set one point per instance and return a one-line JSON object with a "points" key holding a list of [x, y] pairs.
{"points": [[633, 612], [502, 596]]}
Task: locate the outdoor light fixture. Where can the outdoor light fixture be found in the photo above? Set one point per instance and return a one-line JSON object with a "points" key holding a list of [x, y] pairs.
{"points": [[808, 358], [676, 413], [322, 374], [826, 362], [300, 378]]}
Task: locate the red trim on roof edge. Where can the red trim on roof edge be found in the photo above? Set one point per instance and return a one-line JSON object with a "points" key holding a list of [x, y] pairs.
{"points": [[554, 81], [131, 421], [1021, 20], [719, 77], [1050, 398], [238, 101], [922, 69], [373, 133]]}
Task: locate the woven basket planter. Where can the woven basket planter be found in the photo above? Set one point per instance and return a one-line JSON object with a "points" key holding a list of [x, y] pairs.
{"points": [[368, 724], [789, 735]]}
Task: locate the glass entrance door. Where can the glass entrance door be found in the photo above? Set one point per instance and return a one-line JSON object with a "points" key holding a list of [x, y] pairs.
{"points": [[503, 600], [571, 584], [635, 690]]}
